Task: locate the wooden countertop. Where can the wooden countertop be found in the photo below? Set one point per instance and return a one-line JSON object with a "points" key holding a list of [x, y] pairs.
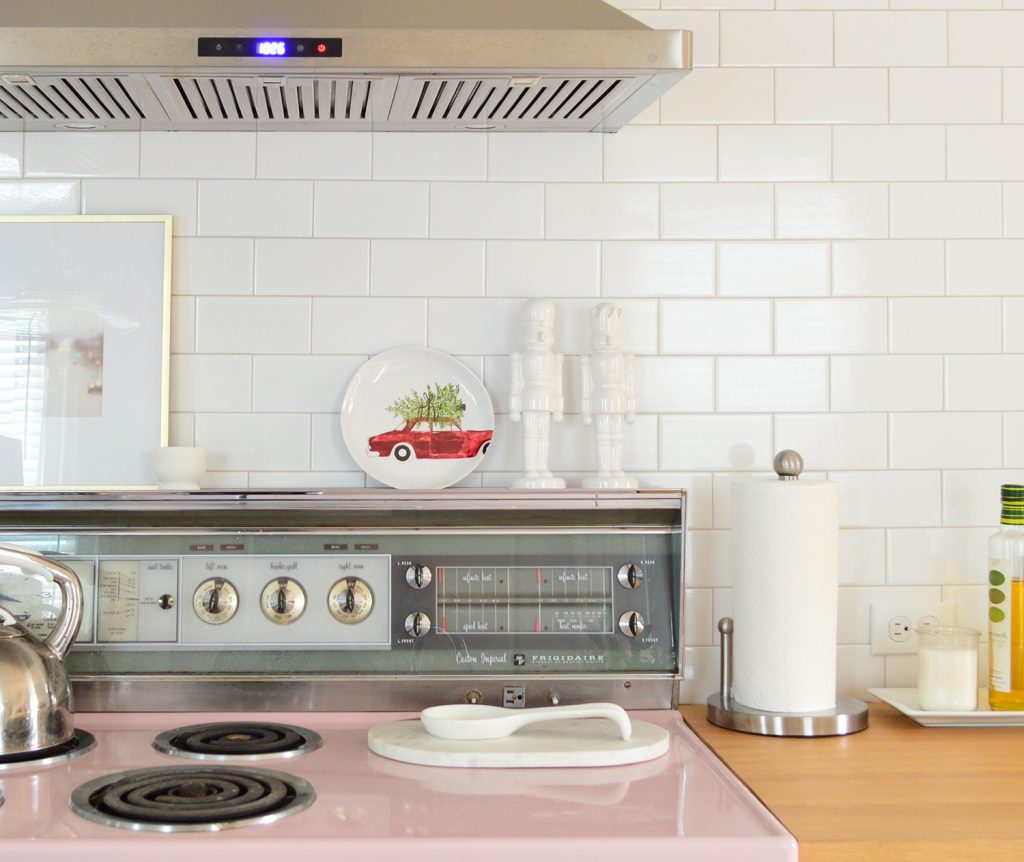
{"points": [[897, 792]]}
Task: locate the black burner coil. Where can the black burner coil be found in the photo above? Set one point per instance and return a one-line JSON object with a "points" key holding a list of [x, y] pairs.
{"points": [[252, 738]]}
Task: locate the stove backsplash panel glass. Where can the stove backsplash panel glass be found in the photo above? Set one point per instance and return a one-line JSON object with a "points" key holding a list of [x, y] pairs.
{"points": [[342, 602]]}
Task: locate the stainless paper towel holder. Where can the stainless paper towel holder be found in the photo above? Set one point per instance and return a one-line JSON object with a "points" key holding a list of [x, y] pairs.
{"points": [[849, 715]]}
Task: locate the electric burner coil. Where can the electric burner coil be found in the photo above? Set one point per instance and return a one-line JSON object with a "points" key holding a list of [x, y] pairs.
{"points": [[191, 799], [231, 740]]}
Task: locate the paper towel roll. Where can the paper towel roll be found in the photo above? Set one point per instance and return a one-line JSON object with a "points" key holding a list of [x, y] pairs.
{"points": [[785, 541]]}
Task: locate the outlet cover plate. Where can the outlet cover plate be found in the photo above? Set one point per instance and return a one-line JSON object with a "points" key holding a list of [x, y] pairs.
{"points": [[883, 612]]}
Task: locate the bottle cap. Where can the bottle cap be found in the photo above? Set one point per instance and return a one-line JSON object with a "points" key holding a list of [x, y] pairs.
{"points": [[1013, 504]]}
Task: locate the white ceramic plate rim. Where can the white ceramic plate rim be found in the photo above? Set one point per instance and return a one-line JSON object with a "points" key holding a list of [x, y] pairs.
{"points": [[431, 365]]}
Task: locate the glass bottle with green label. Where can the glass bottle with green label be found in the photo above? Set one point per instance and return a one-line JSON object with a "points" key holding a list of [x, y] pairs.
{"points": [[1006, 605]]}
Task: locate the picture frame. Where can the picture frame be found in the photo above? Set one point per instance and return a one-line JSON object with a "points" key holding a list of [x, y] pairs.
{"points": [[84, 350]]}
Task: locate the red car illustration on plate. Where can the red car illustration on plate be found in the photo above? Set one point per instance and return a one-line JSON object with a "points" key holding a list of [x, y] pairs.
{"points": [[419, 439]]}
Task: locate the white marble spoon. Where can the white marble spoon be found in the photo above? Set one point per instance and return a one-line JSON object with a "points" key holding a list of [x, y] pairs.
{"points": [[479, 721]]}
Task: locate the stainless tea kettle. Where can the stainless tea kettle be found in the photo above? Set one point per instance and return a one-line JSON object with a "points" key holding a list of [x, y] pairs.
{"points": [[35, 694]]}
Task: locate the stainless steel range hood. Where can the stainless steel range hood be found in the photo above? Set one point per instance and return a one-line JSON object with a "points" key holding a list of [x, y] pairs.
{"points": [[381, 65]]}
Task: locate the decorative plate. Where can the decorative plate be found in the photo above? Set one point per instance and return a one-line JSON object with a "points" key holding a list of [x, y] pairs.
{"points": [[416, 418], [905, 700]]}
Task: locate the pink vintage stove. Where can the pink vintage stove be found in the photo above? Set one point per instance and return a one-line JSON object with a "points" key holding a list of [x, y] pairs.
{"points": [[237, 648]]}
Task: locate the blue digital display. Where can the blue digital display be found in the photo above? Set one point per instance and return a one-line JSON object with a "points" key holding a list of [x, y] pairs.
{"points": [[271, 49]]}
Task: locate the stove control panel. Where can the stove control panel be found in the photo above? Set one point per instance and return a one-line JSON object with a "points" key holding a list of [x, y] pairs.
{"points": [[412, 602]]}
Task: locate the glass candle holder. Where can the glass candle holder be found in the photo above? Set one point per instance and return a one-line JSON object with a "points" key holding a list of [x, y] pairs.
{"points": [[947, 669]]}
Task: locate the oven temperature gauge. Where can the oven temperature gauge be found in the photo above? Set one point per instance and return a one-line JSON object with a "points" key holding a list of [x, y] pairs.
{"points": [[215, 601], [283, 601], [350, 601]]}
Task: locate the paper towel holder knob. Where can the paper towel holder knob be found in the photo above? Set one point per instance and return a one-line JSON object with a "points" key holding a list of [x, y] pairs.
{"points": [[789, 464]]}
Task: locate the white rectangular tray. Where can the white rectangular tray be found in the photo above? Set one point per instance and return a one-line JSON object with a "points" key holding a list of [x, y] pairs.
{"points": [[905, 700]]}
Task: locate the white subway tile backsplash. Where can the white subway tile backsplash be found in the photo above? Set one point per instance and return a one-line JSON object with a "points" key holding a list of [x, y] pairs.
{"points": [[12, 147], [592, 211], [213, 266], [419, 267], [183, 325], [955, 210], [709, 326], [657, 269], [835, 441], [985, 267], [254, 441], [772, 384], [986, 38], [970, 498], [715, 443], [440, 156], [363, 325], [206, 155], [329, 453], [1013, 209], [831, 95], [888, 268], [894, 498], [321, 156], [980, 382], [830, 326], [886, 383], [252, 324], [541, 157], [1013, 440], [538, 268], [889, 153], [862, 560], [716, 211], [774, 153], [211, 384], [776, 39], [487, 210], [938, 556], [255, 208], [832, 210], [946, 440], [81, 154], [377, 209], [890, 38], [773, 269], [1013, 325], [661, 154], [312, 267], [986, 152], [301, 384], [673, 384], [38, 197], [945, 325], [733, 95], [1013, 95], [144, 197], [944, 96]]}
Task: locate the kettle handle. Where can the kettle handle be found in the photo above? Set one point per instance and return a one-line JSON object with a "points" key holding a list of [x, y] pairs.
{"points": [[64, 631]]}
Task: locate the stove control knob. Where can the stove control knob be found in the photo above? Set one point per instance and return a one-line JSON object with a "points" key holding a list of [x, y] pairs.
{"points": [[417, 624], [632, 624], [418, 577], [283, 601], [630, 575], [215, 601], [350, 601]]}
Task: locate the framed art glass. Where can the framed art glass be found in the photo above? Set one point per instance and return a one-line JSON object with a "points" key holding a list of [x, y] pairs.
{"points": [[84, 350]]}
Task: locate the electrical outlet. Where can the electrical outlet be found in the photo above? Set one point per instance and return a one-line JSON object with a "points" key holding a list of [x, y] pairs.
{"points": [[893, 624]]}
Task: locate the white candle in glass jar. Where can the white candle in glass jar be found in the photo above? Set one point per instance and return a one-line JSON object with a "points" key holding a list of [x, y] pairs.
{"points": [[947, 670]]}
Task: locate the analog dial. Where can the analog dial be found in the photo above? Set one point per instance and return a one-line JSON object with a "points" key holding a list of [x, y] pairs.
{"points": [[283, 601], [350, 600], [215, 601]]}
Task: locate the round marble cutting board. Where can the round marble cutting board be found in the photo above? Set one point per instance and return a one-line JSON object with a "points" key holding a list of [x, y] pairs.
{"points": [[577, 742]]}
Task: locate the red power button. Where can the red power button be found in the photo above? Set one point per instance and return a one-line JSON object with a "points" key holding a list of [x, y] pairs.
{"points": [[321, 48]]}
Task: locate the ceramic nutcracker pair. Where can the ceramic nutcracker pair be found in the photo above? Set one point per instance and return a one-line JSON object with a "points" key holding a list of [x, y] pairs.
{"points": [[537, 399]]}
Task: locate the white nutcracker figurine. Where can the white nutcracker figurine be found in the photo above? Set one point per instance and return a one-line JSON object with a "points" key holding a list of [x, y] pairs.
{"points": [[536, 397], [608, 396]]}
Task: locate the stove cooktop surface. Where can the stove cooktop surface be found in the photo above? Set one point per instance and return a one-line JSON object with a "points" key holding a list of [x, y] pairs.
{"points": [[682, 806]]}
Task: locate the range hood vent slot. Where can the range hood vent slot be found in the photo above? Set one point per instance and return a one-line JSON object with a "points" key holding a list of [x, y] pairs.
{"points": [[295, 102], [104, 99], [476, 102]]}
